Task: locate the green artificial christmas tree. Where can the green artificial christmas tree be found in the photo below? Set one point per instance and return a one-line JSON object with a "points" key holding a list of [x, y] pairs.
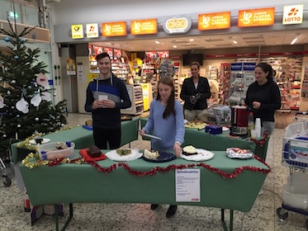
{"points": [[26, 103]]}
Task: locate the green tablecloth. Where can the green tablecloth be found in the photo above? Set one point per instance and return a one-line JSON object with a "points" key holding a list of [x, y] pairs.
{"points": [[201, 139], [72, 183], [81, 137]]}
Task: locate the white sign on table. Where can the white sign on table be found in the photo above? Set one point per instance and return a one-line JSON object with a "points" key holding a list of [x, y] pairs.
{"points": [[187, 185]]}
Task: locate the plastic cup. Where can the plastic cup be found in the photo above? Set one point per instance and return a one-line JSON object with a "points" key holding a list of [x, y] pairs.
{"points": [[253, 134], [258, 123]]}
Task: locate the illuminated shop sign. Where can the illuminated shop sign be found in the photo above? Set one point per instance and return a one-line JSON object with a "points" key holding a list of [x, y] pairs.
{"points": [[256, 17], [77, 31], [92, 30], [177, 25], [214, 21], [114, 29], [293, 14], [142, 27]]}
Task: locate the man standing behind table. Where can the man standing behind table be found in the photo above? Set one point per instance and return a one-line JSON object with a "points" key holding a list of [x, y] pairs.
{"points": [[195, 92], [105, 96]]}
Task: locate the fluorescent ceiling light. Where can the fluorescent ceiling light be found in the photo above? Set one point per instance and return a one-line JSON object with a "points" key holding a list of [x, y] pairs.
{"points": [[157, 42], [235, 42], [294, 40], [191, 40], [174, 46]]}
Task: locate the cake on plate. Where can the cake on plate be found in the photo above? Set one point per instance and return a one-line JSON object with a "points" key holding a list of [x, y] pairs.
{"points": [[124, 152], [189, 150], [152, 155], [94, 151]]}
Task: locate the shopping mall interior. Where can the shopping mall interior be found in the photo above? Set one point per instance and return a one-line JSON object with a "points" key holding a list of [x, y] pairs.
{"points": [[143, 38]]}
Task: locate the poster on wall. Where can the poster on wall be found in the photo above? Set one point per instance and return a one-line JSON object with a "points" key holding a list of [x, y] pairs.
{"points": [[97, 50], [70, 66], [117, 53], [109, 51]]}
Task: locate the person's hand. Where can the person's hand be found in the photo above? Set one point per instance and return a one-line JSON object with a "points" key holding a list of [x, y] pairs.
{"points": [[193, 99], [177, 149], [97, 104], [198, 95], [108, 103], [256, 104], [142, 132]]}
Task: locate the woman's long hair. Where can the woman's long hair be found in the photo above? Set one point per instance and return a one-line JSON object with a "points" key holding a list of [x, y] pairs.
{"points": [[267, 68], [171, 101]]}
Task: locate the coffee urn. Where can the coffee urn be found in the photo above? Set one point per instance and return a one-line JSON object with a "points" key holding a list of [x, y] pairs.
{"points": [[239, 121]]}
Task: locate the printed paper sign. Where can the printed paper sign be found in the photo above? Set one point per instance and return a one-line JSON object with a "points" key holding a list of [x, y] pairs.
{"points": [[187, 185]]}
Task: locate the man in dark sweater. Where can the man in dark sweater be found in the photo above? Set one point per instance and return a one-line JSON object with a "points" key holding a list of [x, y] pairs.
{"points": [[105, 96], [263, 97]]}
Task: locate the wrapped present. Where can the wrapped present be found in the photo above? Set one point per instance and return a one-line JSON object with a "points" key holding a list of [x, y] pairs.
{"points": [[213, 129]]}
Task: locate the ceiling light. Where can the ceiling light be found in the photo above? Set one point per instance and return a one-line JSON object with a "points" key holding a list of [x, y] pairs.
{"points": [[157, 42], [174, 46], [295, 39], [235, 42], [191, 40]]}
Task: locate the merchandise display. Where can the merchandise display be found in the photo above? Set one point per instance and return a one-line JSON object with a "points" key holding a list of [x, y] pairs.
{"points": [[288, 77], [136, 96]]}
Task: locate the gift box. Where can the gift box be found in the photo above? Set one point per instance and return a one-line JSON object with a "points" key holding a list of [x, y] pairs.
{"points": [[213, 129]]}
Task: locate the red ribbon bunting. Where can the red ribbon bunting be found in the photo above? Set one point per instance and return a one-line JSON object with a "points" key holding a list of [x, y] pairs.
{"points": [[260, 142]]}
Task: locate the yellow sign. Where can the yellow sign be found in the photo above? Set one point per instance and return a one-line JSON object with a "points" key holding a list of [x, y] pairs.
{"points": [[293, 14], [77, 31], [92, 30], [256, 17], [214, 21], [114, 29], [92, 76], [140, 27]]}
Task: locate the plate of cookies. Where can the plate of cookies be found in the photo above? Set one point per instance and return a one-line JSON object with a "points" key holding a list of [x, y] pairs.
{"points": [[126, 154], [195, 154]]}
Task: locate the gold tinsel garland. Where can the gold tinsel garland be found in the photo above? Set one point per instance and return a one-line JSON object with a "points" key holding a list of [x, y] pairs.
{"points": [[26, 143], [32, 161]]}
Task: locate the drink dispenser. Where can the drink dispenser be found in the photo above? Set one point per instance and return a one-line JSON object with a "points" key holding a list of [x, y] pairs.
{"points": [[239, 120]]}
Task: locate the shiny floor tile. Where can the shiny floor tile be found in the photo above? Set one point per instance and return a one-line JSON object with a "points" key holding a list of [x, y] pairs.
{"points": [[139, 217]]}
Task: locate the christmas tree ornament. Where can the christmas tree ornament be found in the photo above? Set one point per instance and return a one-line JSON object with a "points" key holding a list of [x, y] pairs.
{"points": [[13, 82], [26, 110], [36, 100], [4, 135], [22, 105], [7, 39], [12, 107], [46, 96], [17, 116], [22, 40], [42, 80], [8, 92], [16, 57], [18, 125], [37, 119]]}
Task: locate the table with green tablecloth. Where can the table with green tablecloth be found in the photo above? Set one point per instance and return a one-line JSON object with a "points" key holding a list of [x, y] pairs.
{"points": [[82, 138], [83, 183], [220, 142]]}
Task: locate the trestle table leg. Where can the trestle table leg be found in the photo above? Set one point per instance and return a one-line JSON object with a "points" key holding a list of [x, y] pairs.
{"points": [[68, 219], [224, 222]]}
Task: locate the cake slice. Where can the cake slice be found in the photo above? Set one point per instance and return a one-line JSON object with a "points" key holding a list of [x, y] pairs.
{"points": [[189, 150], [94, 151]]}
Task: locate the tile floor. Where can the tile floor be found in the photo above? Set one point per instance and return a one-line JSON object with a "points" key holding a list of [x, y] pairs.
{"points": [[139, 217]]}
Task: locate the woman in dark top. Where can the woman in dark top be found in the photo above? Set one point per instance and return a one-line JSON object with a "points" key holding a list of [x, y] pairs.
{"points": [[263, 97], [195, 92]]}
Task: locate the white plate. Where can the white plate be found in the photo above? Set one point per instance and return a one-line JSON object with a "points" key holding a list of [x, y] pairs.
{"points": [[151, 136], [234, 155], [45, 140], [202, 155], [113, 155]]}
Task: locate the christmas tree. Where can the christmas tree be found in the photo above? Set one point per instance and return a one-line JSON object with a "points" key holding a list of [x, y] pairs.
{"points": [[26, 105]]}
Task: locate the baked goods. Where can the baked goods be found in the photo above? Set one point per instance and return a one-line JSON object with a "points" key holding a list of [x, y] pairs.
{"points": [[124, 152], [195, 124], [152, 155], [189, 150], [94, 151], [60, 146]]}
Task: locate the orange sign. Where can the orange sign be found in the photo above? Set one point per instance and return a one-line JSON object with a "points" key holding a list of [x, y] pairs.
{"points": [[214, 21], [140, 27], [114, 29], [256, 17]]}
